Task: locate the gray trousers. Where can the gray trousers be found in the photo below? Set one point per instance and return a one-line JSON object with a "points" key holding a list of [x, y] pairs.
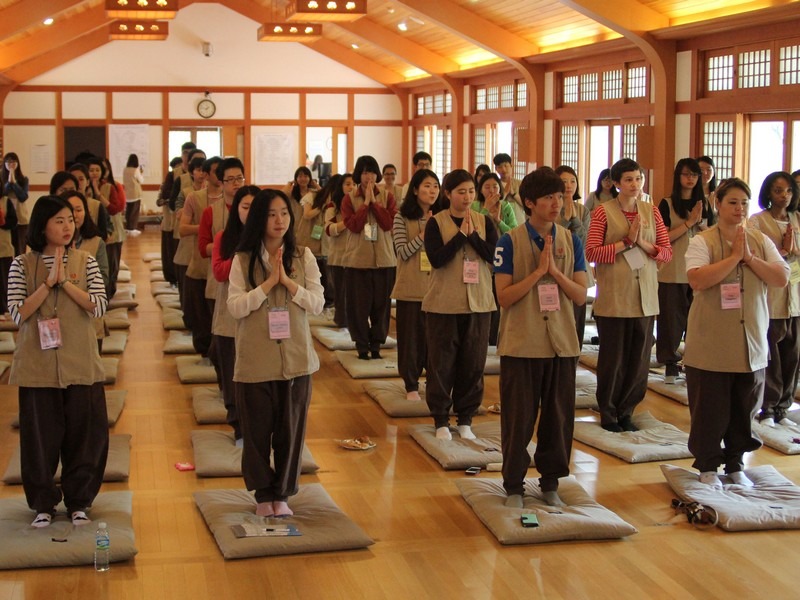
{"points": [[783, 337], [369, 306], [411, 348], [674, 300], [225, 348]]}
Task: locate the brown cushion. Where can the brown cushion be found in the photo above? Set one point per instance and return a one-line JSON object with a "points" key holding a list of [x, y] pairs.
{"points": [[117, 318], [115, 343], [7, 343], [208, 407], [191, 371], [179, 342], [172, 318], [337, 339], [110, 366]]}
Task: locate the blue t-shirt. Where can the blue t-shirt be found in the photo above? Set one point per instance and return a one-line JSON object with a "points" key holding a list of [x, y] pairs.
{"points": [[504, 251]]}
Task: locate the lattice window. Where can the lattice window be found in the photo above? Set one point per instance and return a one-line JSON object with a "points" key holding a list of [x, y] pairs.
{"points": [[520, 167], [479, 144], [480, 99], [438, 104], [569, 146], [428, 105], [612, 84], [522, 94], [720, 73], [420, 145], [629, 138], [507, 96], [718, 144], [420, 106], [754, 68], [570, 89], [588, 87], [637, 82], [441, 154], [789, 65], [448, 103], [492, 98]]}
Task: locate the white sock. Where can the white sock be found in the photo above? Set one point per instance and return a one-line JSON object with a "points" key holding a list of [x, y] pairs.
{"points": [[465, 431], [768, 422], [239, 442], [443, 433], [514, 501], [413, 396], [552, 498], [711, 478], [786, 422], [739, 478]]}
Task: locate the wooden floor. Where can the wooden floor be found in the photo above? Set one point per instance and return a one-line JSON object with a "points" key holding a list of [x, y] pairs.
{"points": [[429, 544]]}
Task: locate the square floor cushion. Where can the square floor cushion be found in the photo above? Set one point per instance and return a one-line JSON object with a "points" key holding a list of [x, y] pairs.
{"points": [[216, 455], [208, 407], [364, 369], [192, 369], [115, 342], [783, 438], [118, 465], [151, 256], [585, 389], [24, 546], [461, 454], [322, 524], [179, 342], [654, 440], [338, 339], [391, 396], [772, 503], [581, 519], [674, 391], [124, 275], [111, 367], [172, 301], [127, 287], [321, 320], [123, 299], [157, 276], [117, 318], [172, 318], [158, 288], [7, 343]]}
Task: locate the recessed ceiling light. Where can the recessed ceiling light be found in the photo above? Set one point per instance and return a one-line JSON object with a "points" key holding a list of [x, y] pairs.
{"points": [[402, 26], [354, 46], [48, 21]]}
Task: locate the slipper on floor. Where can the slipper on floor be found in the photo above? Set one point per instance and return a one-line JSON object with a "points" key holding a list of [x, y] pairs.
{"points": [[79, 518], [42, 520], [494, 408], [360, 443]]}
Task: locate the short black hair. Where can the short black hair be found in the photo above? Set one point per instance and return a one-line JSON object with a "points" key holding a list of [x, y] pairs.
{"points": [[175, 161], [59, 178], [196, 163], [501, 158], [45, 209], [188, 146], [421, 156], [368, 164], [623, 165], [209, 163], [765, 195], [388, 166], [231, 162], [539, 183]]}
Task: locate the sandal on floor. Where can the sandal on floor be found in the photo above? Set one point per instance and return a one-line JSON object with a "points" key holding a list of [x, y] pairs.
{"points": [[42, 520], [79, 518]]}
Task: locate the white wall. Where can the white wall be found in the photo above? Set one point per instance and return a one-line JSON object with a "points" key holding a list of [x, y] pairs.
{"points": [[384, 143]]}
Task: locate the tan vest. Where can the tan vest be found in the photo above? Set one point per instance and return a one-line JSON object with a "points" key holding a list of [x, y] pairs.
{"points": [[77, 362], [526, 331], [219, 218], [259, 358], [94, 210], [222, 322], [304, 227], [515, 200], [729, 341], [167, 219], [447, 292], [620, 291], [674, 271], [6, 247], [118, 220], [197, 267], [411, 282], [91, 246], [186, 189], [362, 254], [337, 244], [784, 302]]}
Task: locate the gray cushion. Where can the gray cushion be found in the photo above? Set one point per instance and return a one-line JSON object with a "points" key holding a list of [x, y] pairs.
{"points": [[773, 503], [115, 343], [782, 438], [581, 519], [191, 371], [118, 465], [209, 409], [172, 318], [363, 369], [24, 546], [110, 366], [216, 455], [155, 265], [115, 402], [179, 342], [8, 325], [157, 276], [169, 301], [124, 275], [123, 299], [320, 321], [460, 454], [337, 339], [654, 440], [585, 389], [162, 287], [674, 391], [151, 256], [7, 343], [588, 356], [117, 318], [127, 287], [391, 396], [123, 266], [324, 527]]}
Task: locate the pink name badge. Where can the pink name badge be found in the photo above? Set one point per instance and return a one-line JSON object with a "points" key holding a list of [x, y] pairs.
{"points": [[470, 271], [50, 334], [278, 324], [730, 296], [549, 300]]}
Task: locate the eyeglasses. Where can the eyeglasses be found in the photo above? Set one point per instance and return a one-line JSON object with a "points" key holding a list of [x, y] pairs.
{"points": [[239, 179], [690, 175]]}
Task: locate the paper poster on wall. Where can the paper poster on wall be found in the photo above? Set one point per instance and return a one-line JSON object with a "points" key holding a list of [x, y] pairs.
{"points": [[41, 158], [124, 140], [276, 157]]}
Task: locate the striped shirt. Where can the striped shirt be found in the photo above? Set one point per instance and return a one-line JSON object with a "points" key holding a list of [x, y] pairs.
{"points": [[18, 285], [404, 248], [596, 252]]}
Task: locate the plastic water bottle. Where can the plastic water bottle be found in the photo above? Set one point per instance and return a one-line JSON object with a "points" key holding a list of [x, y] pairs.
{"points": [[102, 548]]}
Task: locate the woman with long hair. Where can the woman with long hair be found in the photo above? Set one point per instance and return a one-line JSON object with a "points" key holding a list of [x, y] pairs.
{"points": [[603, 191], [274, 285], [311, 232], [132, 179], [336, 232], [302, 183], [708, 179], [15, 188], [685, 214]]}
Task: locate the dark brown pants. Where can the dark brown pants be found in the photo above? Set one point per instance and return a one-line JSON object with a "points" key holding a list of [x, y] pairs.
{"points": [[339, 295], [180, 274], [167, 266], [21, 238], [528, 386], [411, 348], [196, 314], [622, 365], [70, 425], [132, 209], [580, 321], [722, 406], [114, 252], [783, 337], [273, 420], [226, 358], [369, 306], [457, 348], [674, 301], [5, 265], [325, 280]]}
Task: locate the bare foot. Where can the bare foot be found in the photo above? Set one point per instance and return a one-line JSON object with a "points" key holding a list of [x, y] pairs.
{"points": [[265, 509], [413, 397]]}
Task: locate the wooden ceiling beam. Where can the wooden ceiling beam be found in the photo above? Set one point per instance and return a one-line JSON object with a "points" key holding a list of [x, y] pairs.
{"points": [[399, 46], [23, 15], [627, 17], [55, 58], [357, 62], [59, 34]]}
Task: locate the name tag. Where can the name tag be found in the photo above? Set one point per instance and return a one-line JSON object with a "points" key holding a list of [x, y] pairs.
{"points": [[635, 258], [278, 324], [470, 271], [316, 232], [549, 300], [370, 232], [794, 272], [50, 333], [424, 263], [730, 296]]}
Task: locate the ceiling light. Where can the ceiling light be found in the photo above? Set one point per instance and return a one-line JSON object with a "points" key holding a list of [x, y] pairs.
{"points": [[139, 30], [402, 26], [354, 46], [289, 32], [141, 9], [313, 10], [48, 21]]}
